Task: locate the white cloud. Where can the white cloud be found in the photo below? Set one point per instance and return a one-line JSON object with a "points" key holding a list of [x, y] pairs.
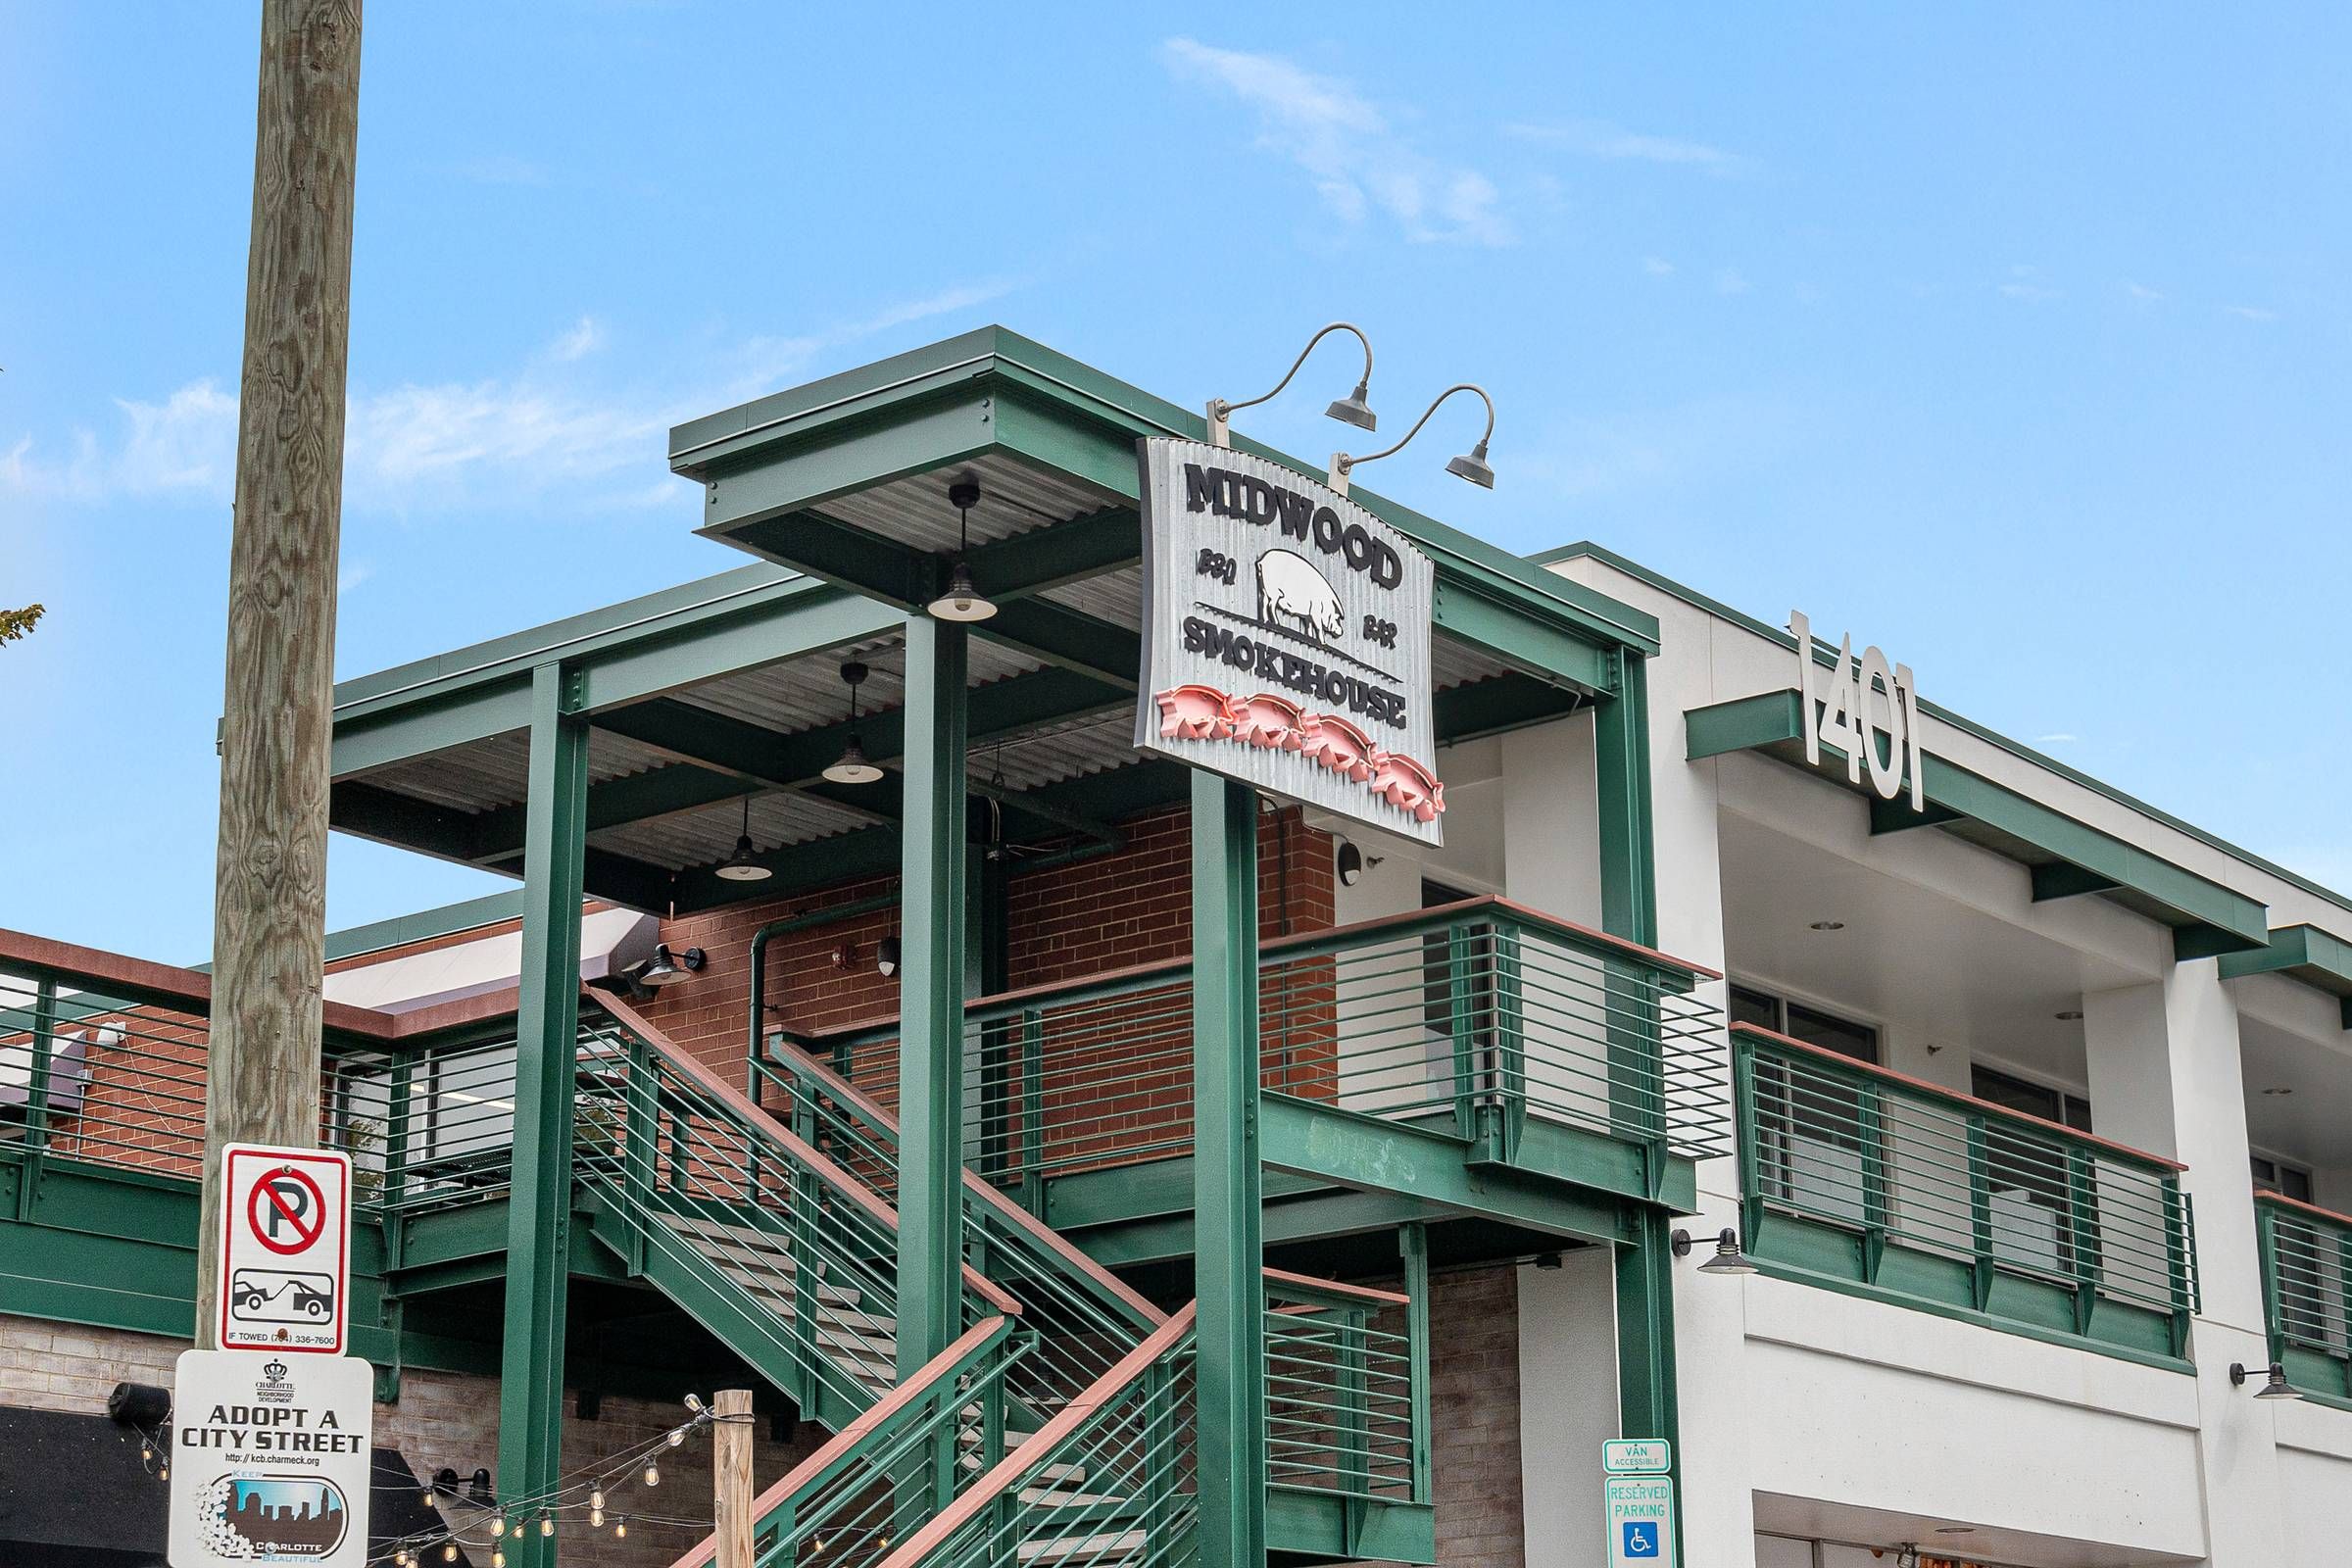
{"points": [[1597, 139], [1346, 146], [1657, 267], [583, 340], [352, 575], [2060, 738], [525, 439], [1729, 281], [2141, 292], [2250, 313], [2024, 284]]}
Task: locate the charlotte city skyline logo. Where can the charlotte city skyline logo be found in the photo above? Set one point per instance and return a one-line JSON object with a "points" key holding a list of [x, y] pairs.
{"points": [[1287, 620], [272, 1518]]}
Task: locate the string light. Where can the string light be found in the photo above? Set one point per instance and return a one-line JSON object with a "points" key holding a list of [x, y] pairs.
{"points": [[400, 1559], [596, 1500], [677, 1435], [449, 1553], [620, 1529], [547, 1523], [498, 1524], [595, 1518], [498, 1558], [652, 1475]]}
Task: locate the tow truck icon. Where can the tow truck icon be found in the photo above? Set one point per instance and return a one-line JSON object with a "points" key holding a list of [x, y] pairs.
{"points": [[280, 1295]]}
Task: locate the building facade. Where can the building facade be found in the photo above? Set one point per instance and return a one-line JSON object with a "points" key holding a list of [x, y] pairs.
{"points": [[1088, 1160]]}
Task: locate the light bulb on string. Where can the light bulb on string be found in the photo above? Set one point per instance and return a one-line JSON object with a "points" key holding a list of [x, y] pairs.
{"points": [[163, 1471], [401, 1559], [620, 1529], [677, 1435], [595, 1518], [498, 1524], [547, 1523], [498, 1558], [652, 1475], [596, 1500], [449, 1553]]}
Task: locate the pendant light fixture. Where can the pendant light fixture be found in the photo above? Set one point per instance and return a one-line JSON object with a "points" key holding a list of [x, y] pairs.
{"points": [[963, 601], [854, 768], [740, 867]]}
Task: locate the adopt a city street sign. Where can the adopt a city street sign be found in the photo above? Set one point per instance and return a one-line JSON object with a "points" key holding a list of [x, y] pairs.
{"points": [[1640, 1510], [269, 1459], [286, 1248]]}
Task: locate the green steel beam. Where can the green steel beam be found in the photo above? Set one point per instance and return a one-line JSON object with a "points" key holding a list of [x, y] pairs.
{"points": [[1896, 816], [1230, 1451], [1058, 555], [842, 554], [931, 997], [2307, 954], [2060, 879], [1646, 1399], [395, 732], [2208, 919], [1060, 635], [530, 1426]]}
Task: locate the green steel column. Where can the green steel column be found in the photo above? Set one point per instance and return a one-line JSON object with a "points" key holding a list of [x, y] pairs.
{"points": [[36, 1097], [546, 1029], [1228, 1259], [1646, 1395], [931, 991], [1629, 879]]}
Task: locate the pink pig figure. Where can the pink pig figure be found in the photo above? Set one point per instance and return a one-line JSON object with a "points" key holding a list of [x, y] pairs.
{"points": [[1408, 786], [1270, 722], [1339, 746], [1193, 712]]}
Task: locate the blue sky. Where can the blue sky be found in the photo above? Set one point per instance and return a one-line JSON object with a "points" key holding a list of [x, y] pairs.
{"points": [[2012, 338]]}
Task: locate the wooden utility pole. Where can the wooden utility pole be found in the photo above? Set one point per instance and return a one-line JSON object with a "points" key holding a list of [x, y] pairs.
{"points": [[731, 1477], [270, 904]]}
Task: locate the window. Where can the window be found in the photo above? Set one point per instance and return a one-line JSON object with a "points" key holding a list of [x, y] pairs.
{"points": [[2287, 1181], [2034, 1099], [1820, 1151], [2033, 1217], [1762, 1009]]}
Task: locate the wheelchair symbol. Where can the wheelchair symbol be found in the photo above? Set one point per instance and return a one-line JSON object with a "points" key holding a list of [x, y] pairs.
{"points": [[1640, 1538]]}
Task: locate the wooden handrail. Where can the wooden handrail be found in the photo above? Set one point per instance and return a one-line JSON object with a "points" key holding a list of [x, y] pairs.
{"points": [[2312, 1210], [1053, 1240], [1275, 946], [940, 1366], [1954, 1096], [1361, 1293], [1033, 1451], [740, 1104]]}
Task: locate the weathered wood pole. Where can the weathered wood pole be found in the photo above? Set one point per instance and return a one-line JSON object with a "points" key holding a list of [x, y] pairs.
{"points": [[270, 901], [731, 1477]]}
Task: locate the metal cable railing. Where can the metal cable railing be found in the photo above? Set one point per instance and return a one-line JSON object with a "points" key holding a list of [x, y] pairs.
{"points": [[1106, 1483], [1473, 1017], [1897, 1163], [1083, 1319], [93, 1078], [2307, 1291], [1341, 1386]]}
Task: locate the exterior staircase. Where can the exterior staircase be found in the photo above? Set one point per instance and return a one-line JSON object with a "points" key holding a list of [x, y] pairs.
{"points": [[1055, 1432]]}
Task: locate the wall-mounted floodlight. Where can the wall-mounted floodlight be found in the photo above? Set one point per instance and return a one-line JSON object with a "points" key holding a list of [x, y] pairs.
{"points": [[1350, 410], [1470, 466]]}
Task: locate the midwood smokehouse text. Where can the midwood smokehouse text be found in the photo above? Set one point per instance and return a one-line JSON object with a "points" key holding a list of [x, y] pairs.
{"points": [[261, 1429]]}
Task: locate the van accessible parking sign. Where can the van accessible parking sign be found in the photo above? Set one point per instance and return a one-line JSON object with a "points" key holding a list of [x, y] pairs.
{"points": [[1638, 1501], [286, 1248]]}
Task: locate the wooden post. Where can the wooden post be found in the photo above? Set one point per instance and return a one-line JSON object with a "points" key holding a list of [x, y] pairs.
{"points": [[731, 1477], [270, 904]]}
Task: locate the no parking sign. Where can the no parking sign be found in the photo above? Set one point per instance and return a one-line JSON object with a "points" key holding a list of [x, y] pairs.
{"points": [[286, 1248]]}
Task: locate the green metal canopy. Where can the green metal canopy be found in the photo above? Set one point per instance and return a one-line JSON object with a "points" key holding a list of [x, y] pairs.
{"points": [[2065, 857], [2302, 953], [720, 703]]}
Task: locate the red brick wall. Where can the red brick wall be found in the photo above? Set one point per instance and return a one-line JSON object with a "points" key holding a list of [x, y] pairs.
{"points": [[440, 1419], [1129, 908], [1474, 1418]]}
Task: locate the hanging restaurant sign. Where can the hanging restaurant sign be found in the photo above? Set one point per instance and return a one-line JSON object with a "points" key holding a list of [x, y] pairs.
{"points": [[1286, 638], [1865, 708]]}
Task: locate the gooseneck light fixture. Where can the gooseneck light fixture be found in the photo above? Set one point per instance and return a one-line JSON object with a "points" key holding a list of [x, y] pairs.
{"points": [[1727, 1258], [2275, 1387], [853, 767], [663, 968], [1471, 465], [962, 599], [1350, 410], [740, 866]]}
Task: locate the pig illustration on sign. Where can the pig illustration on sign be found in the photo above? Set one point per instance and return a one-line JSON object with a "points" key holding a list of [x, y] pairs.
{"points": [[1408, 786], [1340, 747], [1272, 721], [1193, 712], [1291, 589]]}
